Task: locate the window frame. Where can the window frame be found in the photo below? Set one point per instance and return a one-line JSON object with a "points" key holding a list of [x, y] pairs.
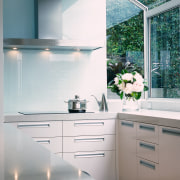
{"points": [[172, 104]]}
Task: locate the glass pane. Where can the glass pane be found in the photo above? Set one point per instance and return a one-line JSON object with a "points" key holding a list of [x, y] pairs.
{"points": [[153, 3], [125, 38], [165, 55]]}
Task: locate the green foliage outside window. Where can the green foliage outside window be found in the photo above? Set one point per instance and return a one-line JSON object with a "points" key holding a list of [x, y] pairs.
{"points": [[125, 42]]}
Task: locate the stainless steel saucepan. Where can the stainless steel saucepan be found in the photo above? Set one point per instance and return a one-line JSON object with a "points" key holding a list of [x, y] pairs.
{"points": [[76, 105]]}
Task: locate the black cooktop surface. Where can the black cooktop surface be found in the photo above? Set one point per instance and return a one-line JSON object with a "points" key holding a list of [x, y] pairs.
{"points": [[48, 112]]}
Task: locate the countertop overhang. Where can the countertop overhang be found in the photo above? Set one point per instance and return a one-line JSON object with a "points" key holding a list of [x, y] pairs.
{"points": [[165, 118]]}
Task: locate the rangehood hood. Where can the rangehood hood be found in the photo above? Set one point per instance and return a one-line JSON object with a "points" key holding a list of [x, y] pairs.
{"points": [[48, 23]]}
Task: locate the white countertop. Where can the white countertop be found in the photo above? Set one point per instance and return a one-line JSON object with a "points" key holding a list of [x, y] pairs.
{"points": [[165, 118], [60, 117]]}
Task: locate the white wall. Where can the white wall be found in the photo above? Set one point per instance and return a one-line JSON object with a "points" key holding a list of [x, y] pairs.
{"points": [[39, 80], [1, 62]]}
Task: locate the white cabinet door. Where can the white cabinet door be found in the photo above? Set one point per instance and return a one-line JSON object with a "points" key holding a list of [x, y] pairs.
{"points": [[89, 143], [147, 170], [88, 127], [99, 164], [169, 153], [41, 129], [147, 132], [127, 150], [148, 151]]}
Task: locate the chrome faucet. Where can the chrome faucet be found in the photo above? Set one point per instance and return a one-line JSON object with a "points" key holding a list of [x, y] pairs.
{"points": [[102, 104]]}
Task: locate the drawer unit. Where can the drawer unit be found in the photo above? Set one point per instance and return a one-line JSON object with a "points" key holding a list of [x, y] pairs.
{"points": [[147, 132], [147, 170], [89, 143], [147, 151], [88, 127], [90, 146], [99, 164], [48, 134], [41, 129], [54, 144]]}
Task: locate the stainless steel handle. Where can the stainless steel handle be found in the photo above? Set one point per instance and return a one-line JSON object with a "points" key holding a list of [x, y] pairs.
{"points": [[174, 132], [147, 164], [130, 124], [147, 146], [90, 155], [146, 127], [89, 140], [43, 125], [89, 124], [43, 141]]}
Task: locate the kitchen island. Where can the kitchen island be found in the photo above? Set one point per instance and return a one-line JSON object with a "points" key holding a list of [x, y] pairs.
{"points": [[23, 159]]}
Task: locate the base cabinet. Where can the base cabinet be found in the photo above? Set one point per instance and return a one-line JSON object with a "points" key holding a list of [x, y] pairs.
{"points": [[90, 145], [169, 156], [127, 150], [100, 164], [138, 151]]}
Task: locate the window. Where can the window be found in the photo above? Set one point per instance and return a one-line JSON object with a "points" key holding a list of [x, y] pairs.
{"points": [[161, 57], [165, 54], [125, 38]]}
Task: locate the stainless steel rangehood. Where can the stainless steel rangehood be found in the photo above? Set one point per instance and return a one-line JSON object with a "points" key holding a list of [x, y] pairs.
{"points": [[51, 44], [48, 20]]}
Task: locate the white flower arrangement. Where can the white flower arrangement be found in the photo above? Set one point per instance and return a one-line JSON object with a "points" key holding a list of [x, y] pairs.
{"points": [[131, 85]]}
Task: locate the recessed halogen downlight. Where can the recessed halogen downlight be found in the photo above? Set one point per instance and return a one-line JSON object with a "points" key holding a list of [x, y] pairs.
{"points": [[47, 49], [14, 48]]}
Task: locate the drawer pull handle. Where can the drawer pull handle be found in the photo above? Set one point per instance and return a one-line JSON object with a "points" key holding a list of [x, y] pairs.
{"points": [[90, 124], [171, 131], [149, 128], [127, 124], [46, 125], [148, 146], [89, 140], [43, 141], [90, 155], [147, 164]]}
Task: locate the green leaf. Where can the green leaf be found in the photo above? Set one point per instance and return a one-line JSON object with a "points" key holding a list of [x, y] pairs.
{"points": [[121, 95], [136, 95], [146, 88]]}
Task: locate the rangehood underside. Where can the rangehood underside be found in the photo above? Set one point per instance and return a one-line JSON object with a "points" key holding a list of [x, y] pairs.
{"points": [[54, 44]]}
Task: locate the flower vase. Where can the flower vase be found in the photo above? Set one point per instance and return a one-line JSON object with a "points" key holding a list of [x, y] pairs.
{"points": [[130, 104]]}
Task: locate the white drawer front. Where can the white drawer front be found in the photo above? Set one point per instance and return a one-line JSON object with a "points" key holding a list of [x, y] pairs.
{"points": [[52, 144], [100, 164], [147, 170], [41, 129], [147, 132], [88, 143], [88, 127], [148, 151]]}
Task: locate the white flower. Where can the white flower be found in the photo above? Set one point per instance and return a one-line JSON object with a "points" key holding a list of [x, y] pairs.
{"points": [[121, 86], [128, 89], [138, 86], [138, 77], [127, 76], [116, 80]]}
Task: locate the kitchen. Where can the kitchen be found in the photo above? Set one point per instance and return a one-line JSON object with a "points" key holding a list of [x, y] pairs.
{"points": [[37, 86]]}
